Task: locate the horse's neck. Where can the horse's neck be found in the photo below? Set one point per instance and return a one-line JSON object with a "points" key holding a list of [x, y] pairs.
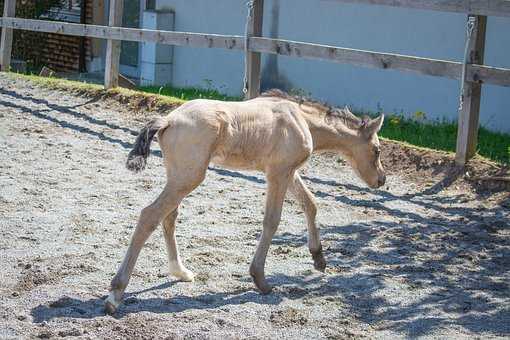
{"points": [[326, 137]]}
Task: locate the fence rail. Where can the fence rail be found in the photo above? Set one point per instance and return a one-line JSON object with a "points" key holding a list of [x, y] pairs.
{"points": [[426, 66], [475, 7], [127, 34], [476, 73]]}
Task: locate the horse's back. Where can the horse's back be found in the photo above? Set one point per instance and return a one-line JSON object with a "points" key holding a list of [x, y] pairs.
{"points": [[241, 135]]}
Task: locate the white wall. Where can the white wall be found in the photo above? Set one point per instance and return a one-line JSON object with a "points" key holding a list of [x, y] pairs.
{"points": [[415, 32], [197, 66]]}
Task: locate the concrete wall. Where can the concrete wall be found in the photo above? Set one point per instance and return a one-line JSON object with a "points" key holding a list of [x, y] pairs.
{"points": [[201, 67], [414, 32]]}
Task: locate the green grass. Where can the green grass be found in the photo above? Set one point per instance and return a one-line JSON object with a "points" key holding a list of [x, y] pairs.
{"points": [[443, 136], [188, 93], [94, 89], [57, 83]]}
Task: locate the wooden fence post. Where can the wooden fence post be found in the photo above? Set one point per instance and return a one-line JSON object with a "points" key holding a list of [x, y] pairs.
{"points": [[6, 42], [467, 135], [111, 73], [253, 58]]}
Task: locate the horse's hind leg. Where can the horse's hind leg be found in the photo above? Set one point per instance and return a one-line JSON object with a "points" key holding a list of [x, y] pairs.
{"points": [[149, 219], [176, 267], [306, 200], [177, 188]]}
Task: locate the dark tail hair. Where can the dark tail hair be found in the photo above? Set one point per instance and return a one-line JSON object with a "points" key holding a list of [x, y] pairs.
{"points": [[137, 158]]}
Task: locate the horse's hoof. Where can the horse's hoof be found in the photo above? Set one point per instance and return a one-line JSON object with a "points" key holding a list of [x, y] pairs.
{"points": [[109, 308], [262, 285], [110, 305], [265, 289], [319, 262], [187, 276], [184, 275]]}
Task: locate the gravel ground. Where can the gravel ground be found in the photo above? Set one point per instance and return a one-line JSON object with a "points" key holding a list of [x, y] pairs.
{"points": [[402, 262]]}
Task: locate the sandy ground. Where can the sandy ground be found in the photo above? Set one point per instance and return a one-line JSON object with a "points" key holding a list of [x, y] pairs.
{"points": [[402, 261]]}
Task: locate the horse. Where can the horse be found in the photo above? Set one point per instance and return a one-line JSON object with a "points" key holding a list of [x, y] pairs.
{"points": [[275, 133]]}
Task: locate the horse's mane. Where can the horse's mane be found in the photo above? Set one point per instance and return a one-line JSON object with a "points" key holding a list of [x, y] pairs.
{"points": [[344, 114]]}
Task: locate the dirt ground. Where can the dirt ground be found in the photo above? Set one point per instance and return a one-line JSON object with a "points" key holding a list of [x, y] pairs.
{"points": [[425, 256]]}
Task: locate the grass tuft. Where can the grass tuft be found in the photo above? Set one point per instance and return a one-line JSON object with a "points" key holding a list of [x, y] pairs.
{"points": [[57, 83], [189, 93], [92, 89]]}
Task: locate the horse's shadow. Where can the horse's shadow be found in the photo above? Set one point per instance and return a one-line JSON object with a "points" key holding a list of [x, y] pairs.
{"points": [[286, 287], [87, 309]]}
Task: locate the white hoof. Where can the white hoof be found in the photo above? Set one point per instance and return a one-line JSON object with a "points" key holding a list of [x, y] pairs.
{"points": [[183, 275]]}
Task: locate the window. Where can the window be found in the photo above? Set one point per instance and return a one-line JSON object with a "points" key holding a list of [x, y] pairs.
{"points": [[130, 18], [150, 4]]}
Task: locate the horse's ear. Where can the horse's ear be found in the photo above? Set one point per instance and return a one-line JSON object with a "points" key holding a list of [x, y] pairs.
{"points": [[372, 126], [330, 114]]}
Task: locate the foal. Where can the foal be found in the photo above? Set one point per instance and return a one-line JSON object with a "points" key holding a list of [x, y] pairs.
{"points": [[275, 134]]}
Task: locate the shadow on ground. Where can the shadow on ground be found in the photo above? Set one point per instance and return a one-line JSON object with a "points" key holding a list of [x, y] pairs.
{"points": [[87, 309], [462, 274], [456, 280]]}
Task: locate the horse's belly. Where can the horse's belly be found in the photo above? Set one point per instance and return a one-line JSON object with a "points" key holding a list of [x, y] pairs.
{"points": [[235, 162]]}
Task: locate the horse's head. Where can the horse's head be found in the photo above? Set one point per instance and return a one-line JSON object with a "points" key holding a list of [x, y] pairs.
{"points": [[363, 149]]}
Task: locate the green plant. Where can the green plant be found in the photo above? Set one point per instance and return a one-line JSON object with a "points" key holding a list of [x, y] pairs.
{"points": [[442, 135], [189, 93]]}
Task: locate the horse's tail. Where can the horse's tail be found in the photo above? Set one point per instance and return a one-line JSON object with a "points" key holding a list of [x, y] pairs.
{"points": [[137, 158]]}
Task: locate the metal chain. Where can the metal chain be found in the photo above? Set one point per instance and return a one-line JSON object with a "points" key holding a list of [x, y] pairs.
{"points": [[247, 34], [470, 28]]}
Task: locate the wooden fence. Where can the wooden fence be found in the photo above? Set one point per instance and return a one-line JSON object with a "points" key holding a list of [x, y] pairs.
{"points": [[476, 73]]}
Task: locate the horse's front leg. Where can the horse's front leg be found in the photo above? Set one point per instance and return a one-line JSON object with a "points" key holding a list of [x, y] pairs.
{"points": [[278, 181], [306, 200]]}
